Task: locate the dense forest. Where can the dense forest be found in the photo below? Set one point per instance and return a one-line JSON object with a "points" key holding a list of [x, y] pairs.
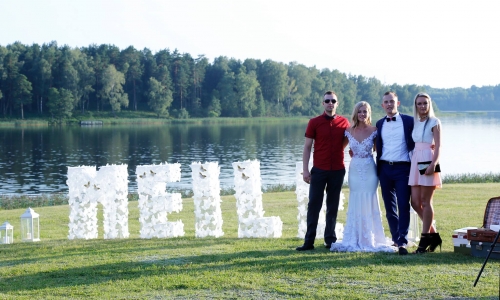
{"points": [[60, 81]]}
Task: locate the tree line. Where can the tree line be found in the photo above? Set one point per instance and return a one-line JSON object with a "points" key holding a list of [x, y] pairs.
{"points": [[60, 81]]}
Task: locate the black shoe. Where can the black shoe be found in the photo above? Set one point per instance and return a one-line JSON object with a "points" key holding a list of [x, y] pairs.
{"points": [[435, 241], [305, 247], [328, 246], [402, 251], [425, 242]]}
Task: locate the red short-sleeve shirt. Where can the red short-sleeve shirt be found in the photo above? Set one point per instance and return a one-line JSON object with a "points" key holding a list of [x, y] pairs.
{"points": [[328, 136]]}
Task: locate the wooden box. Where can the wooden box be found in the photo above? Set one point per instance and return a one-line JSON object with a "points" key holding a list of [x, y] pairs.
{"points": [[481, 235]]}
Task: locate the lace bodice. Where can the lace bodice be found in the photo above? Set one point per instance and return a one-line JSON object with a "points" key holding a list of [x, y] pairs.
{"points": [[361, 149]]}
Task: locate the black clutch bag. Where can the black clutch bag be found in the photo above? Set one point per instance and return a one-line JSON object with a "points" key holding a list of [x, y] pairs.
{"points": [[422, 166]]}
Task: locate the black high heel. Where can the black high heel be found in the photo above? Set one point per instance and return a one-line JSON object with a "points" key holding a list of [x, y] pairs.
{"points": [[425, 242], [435, 241]]}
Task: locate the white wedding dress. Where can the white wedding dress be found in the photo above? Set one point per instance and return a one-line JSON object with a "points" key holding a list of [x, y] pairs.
{"points": [[363, 231]]}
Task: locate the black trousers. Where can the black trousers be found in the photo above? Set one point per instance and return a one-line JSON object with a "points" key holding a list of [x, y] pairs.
{"points": [[333, 181]]}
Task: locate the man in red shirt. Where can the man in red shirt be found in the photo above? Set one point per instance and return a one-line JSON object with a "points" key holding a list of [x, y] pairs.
{"points": [[327, 133]]}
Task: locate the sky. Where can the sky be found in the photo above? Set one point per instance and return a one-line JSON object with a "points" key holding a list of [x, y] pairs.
{"points": [[440, 43]]}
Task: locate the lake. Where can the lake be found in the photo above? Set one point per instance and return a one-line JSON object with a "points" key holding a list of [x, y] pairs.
{"points": [[35, 160]]}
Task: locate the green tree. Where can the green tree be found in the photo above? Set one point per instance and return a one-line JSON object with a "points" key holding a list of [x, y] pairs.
{"points": [[198, 70], [112, 89], [10, 71], [228, 99], [132, 58], [86, 79], [345, 89], [102, 57], [214, 108], [313, 103], [274, 81], [299, 86], [15, 86], [65, 75], [3, 53], [349, 92], [246, 86], [41, 74], [180, 77], [160, 97], [60, 104], [21, 93]]}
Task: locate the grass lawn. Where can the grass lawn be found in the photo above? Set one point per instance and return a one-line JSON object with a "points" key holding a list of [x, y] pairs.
{"points": [[229, 267]]}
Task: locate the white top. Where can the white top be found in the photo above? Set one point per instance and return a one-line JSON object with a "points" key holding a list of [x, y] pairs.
{"points": [[427, 136], [394, 146]]}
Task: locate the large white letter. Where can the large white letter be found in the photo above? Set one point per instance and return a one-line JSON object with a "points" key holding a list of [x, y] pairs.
{"points": [[247, 184], [155, 203], [82, 205], [206, 190]]}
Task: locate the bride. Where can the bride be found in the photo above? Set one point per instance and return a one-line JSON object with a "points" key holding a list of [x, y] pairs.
{"points": [[363, 231]]}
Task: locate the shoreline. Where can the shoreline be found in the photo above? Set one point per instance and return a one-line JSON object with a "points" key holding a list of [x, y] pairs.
{"points": [[14, 201]]}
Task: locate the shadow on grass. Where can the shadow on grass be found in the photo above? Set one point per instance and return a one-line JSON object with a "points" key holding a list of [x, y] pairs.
{"points": [[65, 249], [169, 258]]}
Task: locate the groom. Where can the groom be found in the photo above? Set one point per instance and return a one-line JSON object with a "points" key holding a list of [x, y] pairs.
{"points": [[394, 144]]}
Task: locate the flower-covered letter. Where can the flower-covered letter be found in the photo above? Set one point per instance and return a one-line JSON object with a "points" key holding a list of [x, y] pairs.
{"points": [[155, 203], [247, 184], [206, 196], [87, 188]]}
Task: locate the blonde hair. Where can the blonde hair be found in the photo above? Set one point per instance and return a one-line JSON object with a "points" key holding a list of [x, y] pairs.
{"points": [[431, 110], [354, 116]]}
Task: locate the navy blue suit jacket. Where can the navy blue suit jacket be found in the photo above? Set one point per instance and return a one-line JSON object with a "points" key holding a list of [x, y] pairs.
{"points": [[408, 128]]}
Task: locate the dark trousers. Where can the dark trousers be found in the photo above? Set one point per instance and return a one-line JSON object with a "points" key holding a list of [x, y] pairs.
{"points": [[396, 194], [333, 181]]}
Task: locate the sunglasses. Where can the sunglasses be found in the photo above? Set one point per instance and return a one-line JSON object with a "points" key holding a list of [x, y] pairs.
{"points": [[328, 101]]}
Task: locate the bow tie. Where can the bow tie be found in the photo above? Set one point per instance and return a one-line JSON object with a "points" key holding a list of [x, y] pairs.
{"points": [[390, 119]]}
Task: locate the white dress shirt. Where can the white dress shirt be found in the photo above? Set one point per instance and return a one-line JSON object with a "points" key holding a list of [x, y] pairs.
{"points": [[394, 145]]}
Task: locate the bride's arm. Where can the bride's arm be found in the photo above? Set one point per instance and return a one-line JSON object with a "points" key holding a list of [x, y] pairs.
{"points": [[375, 140], [345, 142]]}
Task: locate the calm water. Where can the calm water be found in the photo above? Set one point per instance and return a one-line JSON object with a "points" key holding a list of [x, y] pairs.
{"points": [[35, 160]]}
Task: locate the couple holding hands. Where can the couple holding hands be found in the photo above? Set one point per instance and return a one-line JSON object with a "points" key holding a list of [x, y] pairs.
{"points": [[408, 150]]}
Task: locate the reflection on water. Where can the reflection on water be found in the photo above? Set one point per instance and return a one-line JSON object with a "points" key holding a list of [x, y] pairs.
{"points": [[35, 160]]}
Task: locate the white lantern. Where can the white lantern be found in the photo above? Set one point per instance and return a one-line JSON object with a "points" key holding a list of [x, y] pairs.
{"points": [[6, 233], [30, 226], [414, 229]]}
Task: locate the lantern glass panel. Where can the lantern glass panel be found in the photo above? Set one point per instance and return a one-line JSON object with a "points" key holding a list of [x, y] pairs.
{"points": [[4, 237], [36, 229], [26, 229]]}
